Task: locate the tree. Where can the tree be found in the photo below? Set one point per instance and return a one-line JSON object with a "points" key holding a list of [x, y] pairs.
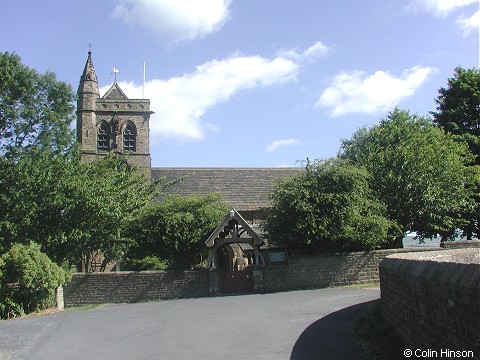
{"points": [[33, 198], [172, 233], [330, 207], [35, 114], [73, 210], [35, 110], [458, 113], [106, 197], [7, 205], [458, 108], [417, 170]]}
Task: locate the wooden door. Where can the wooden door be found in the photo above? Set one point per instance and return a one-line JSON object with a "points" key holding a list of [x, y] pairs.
{"points": [[236, 282]]}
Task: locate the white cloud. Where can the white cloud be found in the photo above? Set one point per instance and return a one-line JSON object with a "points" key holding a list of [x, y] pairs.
{"points": [[313, 53], [279, 143], [180, 102], [438, 7], [175, 20], [469, 24], [358, 92], [442, 8]]}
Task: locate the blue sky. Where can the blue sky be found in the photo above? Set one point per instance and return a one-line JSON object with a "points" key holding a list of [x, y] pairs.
{"points": [[252, 83]]}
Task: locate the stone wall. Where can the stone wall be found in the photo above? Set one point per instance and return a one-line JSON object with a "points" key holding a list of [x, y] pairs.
{"points": [[433, 299], [460, 244], [129, 287], [326, 270], [302, 272]]}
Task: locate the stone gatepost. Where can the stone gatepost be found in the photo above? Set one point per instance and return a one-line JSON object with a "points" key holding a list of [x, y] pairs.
{"points": [[213, 282], [257, 280], [59, 298]]}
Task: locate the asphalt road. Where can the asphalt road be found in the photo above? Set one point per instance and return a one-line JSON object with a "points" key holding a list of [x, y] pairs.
{"points": [[312, 324]]}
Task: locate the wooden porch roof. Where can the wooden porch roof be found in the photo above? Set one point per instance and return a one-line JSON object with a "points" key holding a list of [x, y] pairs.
{"points": [[219, 233]]}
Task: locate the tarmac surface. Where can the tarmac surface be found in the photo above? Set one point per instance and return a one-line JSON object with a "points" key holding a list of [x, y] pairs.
{"points": [[310, 324]]}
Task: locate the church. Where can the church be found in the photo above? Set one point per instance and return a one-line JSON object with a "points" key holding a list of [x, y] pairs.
{"points": [[116, 124]]}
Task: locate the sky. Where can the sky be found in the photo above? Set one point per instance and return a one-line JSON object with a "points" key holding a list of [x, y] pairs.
{"points": [[252, 83]]}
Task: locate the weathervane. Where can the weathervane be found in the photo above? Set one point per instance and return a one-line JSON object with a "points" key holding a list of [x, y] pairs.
{"points": [[115, 72]]}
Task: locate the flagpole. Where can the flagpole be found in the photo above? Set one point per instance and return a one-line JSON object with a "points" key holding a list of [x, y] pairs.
{"points": [[143, 85]]}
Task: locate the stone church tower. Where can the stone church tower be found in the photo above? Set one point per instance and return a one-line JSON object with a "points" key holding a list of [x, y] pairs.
{"points": [[112, 123]]}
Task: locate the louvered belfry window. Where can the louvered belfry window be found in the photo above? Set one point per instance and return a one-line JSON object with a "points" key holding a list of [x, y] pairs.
{"points": [[103, 137], [129, 137]]}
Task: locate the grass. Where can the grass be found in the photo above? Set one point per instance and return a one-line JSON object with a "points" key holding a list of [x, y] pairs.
{"points": [[43, 312], [361, 286], [54, 310], [83, 307], [378, 340]]}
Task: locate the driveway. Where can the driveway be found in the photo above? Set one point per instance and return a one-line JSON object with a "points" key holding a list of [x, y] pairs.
{"points": [[312, 324]]}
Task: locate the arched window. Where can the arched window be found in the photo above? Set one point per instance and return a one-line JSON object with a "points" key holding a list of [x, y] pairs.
{"points": [[103, 137], [129, 137]]}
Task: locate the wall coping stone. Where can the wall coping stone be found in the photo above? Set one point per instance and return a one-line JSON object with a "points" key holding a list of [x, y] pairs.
{"points": [[461, 243], [368, 252], [123, 273], [458, 267], [464, 256]]}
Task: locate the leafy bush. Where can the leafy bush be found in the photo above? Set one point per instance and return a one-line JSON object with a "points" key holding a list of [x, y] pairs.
{"points": [[28, 280], [149, 262]]}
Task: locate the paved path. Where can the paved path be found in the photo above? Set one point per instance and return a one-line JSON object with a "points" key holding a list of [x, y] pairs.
{"points": [[313, 324]]}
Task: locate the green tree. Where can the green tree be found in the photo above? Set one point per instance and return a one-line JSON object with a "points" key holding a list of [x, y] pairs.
{"points": [[458, 108], [73, 210], [105, 199], [35, 113], [35, 110], [172, 233], [33, 198], [330, 207], [7, 204], [28, 279], [417, 170], [458, 112]]}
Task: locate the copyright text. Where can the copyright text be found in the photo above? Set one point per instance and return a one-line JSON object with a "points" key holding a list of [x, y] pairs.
{"points": [[443, 353]]}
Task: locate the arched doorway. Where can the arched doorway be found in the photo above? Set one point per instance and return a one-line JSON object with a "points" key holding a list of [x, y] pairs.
{"points": [[225, 258], [235, 256], [235, 274]]}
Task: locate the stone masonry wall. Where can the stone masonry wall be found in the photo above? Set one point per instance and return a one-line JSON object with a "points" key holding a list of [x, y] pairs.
{"points": [[303, 272], [326, 270], [460, 244], [129, 287], [433, 299]]}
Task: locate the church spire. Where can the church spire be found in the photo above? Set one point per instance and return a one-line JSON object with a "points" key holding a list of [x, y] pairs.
{"points": [[87, 95], [88, 82], [89, 70]]}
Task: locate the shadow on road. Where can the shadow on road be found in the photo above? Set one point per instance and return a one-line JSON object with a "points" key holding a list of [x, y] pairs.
{"points": [[331, 337]]}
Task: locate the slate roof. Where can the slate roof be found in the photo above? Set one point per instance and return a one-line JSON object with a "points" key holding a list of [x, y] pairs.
{"points": [[246, 189]]}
